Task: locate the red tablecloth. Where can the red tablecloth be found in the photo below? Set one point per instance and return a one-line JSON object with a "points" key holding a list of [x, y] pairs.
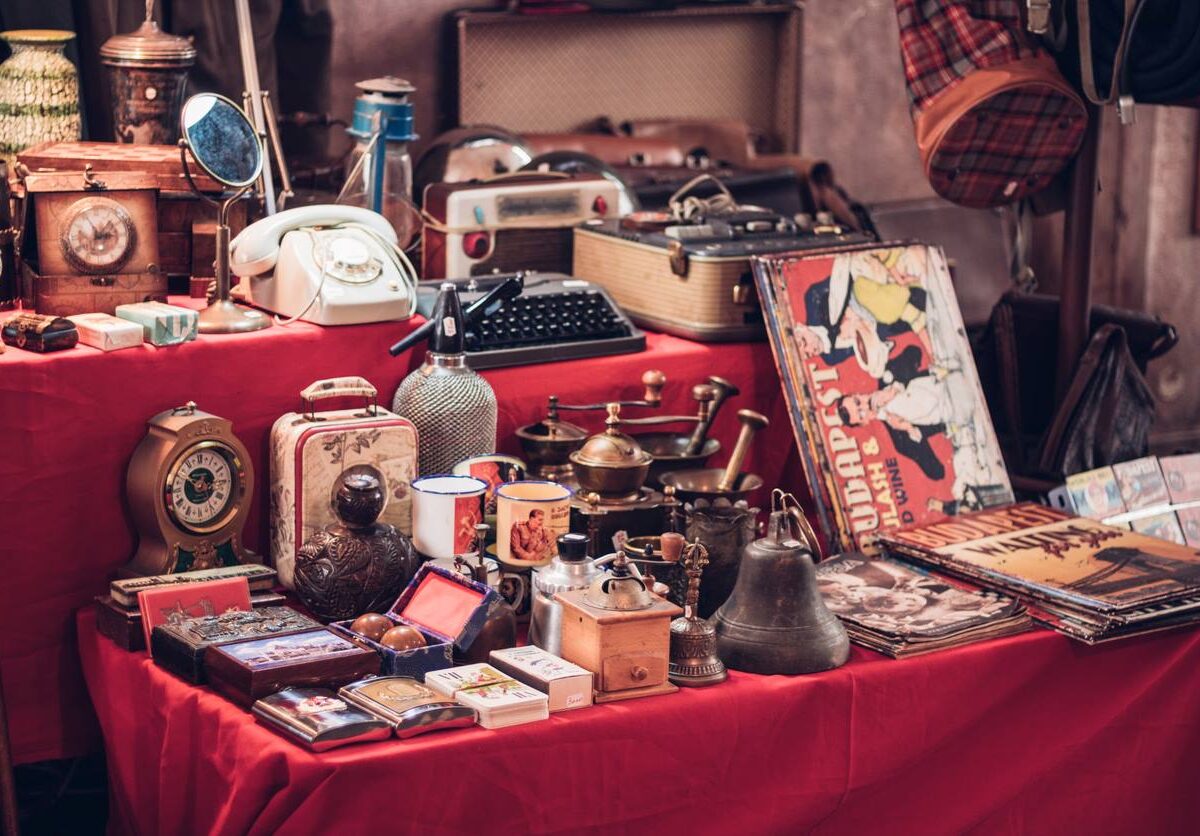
{"points": [[1031, 734], [69, 422]]}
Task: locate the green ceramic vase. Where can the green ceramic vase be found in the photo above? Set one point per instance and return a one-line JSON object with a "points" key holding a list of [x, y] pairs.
{"points": [[39, 91]]}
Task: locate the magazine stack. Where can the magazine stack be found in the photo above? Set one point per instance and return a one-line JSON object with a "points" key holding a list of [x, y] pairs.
{"points": [[1090, 581], [899, 611]]}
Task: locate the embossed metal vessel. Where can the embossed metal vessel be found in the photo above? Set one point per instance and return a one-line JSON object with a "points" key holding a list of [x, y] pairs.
{"points": [[355, 565]]}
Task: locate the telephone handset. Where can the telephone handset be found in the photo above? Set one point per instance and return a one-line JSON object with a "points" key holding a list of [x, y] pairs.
{"points": [[332, 265]]}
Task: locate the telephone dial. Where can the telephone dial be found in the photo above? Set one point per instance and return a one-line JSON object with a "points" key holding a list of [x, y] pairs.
{"points": [[330, 265]]}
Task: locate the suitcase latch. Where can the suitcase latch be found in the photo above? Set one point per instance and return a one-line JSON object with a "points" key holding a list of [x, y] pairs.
{"points": [[678, 258]]}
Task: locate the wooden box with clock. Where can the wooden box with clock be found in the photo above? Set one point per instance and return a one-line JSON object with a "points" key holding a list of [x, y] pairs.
{"points": [[91, 243], [189, 485]]}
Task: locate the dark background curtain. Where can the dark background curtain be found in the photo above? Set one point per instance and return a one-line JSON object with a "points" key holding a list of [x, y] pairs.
{"points": [[293, 40]]}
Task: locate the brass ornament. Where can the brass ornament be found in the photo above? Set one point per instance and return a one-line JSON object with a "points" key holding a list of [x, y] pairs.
{"points": [[694, 661]]}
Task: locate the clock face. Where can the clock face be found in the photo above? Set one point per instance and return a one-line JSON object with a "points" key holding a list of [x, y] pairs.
{"points": [[202, 487], [97, 235]]}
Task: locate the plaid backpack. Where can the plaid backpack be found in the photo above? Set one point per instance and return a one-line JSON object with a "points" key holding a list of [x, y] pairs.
{"points": [[995, 120]]}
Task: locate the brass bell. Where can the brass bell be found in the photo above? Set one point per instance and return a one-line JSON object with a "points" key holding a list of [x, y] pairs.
{"points": [[775, 620]]}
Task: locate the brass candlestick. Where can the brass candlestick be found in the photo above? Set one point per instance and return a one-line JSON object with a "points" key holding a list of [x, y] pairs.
{"points": [[694, 661]]}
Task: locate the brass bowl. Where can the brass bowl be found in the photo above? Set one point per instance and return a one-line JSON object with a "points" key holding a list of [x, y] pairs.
{"points": [[667, 450], [548, 444], [623, 482], [691, 485]]}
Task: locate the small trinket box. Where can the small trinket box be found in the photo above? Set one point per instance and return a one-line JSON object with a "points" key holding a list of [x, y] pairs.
{"points": [[411, 708], [107, 332], [34, 332], [179, 647], [448, 609], [125, 590], [162, 324], [123, 624], [565, 683], [319, 719], [246, 671]]}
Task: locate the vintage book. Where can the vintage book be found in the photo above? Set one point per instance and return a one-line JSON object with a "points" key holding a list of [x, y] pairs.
{"points": [[1095, 494], [124, 624], [892, 608], [1164, 526], [411, 708], [319, 719], [565, 683], [1045, 554], [124, 591], [179, 646], [1141, 483], [249, 670], [107, 332], [1182, 474], [881, 388], [162, 324], [506, 703], [450, 681], [172, 604]]}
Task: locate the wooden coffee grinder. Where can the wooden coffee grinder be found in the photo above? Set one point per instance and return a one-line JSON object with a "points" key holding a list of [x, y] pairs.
{"points": [[621, 631]]}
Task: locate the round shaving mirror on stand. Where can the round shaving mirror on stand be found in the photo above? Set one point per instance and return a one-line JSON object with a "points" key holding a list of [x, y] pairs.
{"points": [[223, 143]]}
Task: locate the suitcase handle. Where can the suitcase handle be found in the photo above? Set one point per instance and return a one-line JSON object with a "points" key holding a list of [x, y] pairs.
{"points": [[338, 387]]}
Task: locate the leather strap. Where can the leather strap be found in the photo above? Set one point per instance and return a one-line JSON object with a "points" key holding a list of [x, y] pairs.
{"points": [[1120, 75]]}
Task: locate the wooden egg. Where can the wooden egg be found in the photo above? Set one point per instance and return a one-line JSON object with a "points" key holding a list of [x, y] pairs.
{"points": [[372, 625], [402, 637]]}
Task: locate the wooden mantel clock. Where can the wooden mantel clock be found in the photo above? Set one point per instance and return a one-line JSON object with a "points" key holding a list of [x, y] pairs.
{"points": [[189, 486]]}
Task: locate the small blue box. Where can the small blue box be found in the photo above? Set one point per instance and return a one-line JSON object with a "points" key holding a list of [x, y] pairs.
{"points": [[447, 608], [162, 324]]}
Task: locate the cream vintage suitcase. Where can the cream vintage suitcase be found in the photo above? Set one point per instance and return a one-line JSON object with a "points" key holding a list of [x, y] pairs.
{"points": [[311, 450]]}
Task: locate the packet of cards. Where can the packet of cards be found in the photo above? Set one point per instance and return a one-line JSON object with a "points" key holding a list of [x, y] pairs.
{"points": [[498, 699]]}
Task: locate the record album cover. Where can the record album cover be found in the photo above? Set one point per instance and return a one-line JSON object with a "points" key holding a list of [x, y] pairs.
{"points": [[1141, 483], [882, 389], [895, 600], [1045, 553], [1164, 526], [1182, 474], [1095, 493]]}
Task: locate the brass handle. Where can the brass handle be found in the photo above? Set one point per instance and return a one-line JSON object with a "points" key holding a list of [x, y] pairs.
{"points": [[103, 281], [637, 673], [752, 422], [721, 390]]}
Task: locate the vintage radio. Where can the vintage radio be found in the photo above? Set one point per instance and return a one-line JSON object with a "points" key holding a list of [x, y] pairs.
{"points": [[687, 271], [179, 646], [245, 671], [510, 223]]}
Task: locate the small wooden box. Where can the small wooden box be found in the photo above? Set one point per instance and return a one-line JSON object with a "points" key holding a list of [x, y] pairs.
{"points": [[628, 650], [246, 671], [180, 647]]}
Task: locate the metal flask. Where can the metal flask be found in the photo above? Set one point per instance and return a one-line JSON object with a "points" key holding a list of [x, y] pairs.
{"points": [[775, 620], [570, 569], [452, 407]]}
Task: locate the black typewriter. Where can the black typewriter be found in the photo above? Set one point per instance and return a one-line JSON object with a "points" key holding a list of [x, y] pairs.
{"points": [[556, 317]]}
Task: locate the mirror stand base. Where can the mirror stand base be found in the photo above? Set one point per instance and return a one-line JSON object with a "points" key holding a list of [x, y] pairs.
{"points": [[225, 317]]}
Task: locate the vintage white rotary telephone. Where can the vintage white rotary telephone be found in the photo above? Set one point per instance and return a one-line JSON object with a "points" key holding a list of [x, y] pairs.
{"points": [[332, 265]]}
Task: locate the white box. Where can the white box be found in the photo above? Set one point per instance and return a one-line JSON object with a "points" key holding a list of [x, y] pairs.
{"points": [[107, 332]]}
